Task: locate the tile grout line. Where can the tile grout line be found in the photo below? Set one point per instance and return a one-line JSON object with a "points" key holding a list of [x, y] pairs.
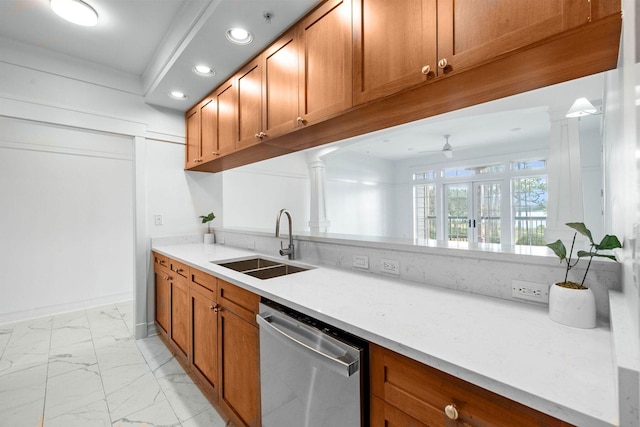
{"points": [[46, 377], [95, 353]]}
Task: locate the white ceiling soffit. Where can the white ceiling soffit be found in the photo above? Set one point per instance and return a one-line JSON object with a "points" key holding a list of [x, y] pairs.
{"points": [[148, 47]]}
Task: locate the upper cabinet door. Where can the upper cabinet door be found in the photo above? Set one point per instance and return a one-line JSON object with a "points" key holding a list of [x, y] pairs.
{"points": [[227, 103], [471, 32], [249, 84], [209, 129], [325, 61], [394, 46], [192, 153], [281, 86]]}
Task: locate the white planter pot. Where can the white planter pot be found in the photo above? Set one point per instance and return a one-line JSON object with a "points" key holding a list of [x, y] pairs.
{"points": [[209, 238], [572, 307]]}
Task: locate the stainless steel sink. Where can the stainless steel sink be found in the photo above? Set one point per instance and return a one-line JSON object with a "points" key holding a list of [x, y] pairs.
{"points": [[261, 268]]}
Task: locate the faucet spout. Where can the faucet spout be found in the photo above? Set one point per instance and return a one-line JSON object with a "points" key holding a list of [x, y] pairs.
{"points": [[290, 250]]}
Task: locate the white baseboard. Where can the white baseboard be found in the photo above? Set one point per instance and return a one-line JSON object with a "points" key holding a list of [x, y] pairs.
{"points": [[18, 316]]}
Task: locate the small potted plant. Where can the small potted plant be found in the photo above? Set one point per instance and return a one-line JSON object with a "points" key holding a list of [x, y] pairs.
{"points": [[572, 303], [209, 237]]}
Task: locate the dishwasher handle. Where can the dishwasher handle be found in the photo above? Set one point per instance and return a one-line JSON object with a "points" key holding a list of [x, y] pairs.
{"points": [[345, 368]]}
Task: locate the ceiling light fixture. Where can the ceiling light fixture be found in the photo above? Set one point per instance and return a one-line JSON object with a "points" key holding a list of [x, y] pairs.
{"points": [[204, 70], [239, 36], [75, 11], [177, 94], [581, 107], [447, 150]]}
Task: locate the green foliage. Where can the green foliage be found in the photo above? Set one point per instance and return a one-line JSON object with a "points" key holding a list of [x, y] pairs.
{"points": [[607, 243], [207, 218]]}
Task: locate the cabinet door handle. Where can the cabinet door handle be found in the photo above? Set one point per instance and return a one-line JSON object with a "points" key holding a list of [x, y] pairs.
{"points": [[451, 411], [443, 63], [426, 69], [301, 121], [167, 277], [215, 153], [178, 270]]}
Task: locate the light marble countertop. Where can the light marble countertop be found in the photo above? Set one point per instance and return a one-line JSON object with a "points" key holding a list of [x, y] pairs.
{"points": [[512, 349]]}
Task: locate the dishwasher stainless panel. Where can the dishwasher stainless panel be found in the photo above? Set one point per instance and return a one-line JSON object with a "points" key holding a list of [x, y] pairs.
{"points": [[311, 373]]}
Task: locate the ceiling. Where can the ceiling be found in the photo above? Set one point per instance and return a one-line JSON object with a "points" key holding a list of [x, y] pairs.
{"points": [[154, 43]]}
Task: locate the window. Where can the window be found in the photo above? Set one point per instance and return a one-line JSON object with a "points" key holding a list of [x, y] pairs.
{"points": [[529, 210], [496, 203]]}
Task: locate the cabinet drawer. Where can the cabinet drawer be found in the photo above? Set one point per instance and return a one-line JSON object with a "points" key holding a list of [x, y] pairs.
{"points": [[202, 291], [180, 268], [238, 301], [424, 392], [203, 279], [160, 260], [385, 415]]}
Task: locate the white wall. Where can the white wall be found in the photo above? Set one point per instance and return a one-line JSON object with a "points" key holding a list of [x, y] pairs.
{"points": [[254, 194], [622, 177], [66, 220], [89, 104]]}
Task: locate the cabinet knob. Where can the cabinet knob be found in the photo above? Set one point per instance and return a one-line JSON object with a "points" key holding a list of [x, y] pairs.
{"points": [[215, 153], [451, 412], [178, 270], [426, 69], [262, 134], [443, 63], [167, 277], [301, 120]]}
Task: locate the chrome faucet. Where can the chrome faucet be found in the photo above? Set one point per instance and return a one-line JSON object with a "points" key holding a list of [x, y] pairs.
{"points": [[290, 250]]}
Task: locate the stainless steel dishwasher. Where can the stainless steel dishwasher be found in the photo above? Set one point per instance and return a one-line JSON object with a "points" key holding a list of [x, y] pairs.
{"points": [[311, 374]]}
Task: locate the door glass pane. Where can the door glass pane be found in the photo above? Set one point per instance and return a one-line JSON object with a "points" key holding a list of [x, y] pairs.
{"points": [[457, 196], [529, 210], [425, 211], [488, 215]]}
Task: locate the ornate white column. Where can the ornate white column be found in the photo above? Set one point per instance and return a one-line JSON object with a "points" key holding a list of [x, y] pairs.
{"points": [[565, 200], [318, 222]]}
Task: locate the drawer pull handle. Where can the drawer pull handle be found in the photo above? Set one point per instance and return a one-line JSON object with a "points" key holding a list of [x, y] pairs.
{"points": [[451, 412]]}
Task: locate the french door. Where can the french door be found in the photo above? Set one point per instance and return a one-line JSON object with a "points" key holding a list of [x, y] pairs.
{"points": [[473, 212]]}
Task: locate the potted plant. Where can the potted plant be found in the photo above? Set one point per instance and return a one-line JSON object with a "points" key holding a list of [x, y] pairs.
{"points": [[209, 237], [572, 303]]}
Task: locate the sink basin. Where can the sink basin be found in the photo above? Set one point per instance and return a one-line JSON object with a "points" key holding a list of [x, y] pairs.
{"points": [[248, 264], [261, 268]]}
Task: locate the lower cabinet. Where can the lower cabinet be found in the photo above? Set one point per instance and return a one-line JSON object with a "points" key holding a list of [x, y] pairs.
{"points": [[210, 325], [405, 392], [162, 297], [180, 318], [204, 336], [238, 351]]}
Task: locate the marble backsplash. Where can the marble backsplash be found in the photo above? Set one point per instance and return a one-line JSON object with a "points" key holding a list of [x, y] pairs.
{"points": [[484, 272]]}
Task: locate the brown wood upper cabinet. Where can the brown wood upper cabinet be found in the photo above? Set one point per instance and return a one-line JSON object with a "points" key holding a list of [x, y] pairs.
{"points": [[211, 130], [250, 124], [406, 42], [325, 62]]}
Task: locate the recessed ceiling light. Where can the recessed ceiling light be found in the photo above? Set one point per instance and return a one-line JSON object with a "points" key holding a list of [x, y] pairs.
{"points": [[177, 94], [204, 70], [239, 36], [75, 11]]}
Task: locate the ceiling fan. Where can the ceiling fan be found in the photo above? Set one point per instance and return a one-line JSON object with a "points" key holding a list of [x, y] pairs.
{"points": [[447, 149]]}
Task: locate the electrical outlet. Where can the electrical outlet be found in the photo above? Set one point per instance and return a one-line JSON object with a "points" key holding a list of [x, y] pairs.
{"points": [[390, 266], [530, 291], [361, 261], [157, 218]]}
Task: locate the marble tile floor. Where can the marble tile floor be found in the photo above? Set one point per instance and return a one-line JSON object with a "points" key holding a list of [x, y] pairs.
{"points": [[85, 369]]}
